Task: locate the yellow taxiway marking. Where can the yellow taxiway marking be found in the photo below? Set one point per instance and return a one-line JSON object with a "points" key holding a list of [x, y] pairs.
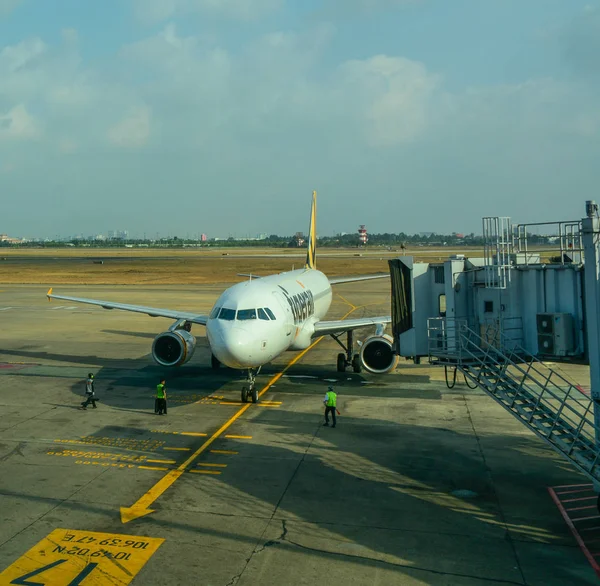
{"points": [[141, 507], [238, 436], [230, 403], [267, 405], [179, 449], [271, 402], [212, 465], [192, 433], [214, 472], [152, 468], [161, 461], [223, 452], [69, 556]]}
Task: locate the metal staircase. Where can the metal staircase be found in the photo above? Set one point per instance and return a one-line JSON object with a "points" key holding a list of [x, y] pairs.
{"points": [[543, 400]]}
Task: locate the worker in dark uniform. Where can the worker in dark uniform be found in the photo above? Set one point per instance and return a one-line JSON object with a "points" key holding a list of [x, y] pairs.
{"points": [[90, 393], [330, 403], [161, 398]]}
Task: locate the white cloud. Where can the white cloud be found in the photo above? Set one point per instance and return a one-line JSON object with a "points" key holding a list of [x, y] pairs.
{"points": [[18, 124], [16, 57], [393, 94], [133, 130], [7, 6], [153, 11], [7, 167], [67, 146]]}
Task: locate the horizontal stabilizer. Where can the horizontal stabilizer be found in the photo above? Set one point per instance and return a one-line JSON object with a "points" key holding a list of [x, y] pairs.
{"points": [[339, 280]]}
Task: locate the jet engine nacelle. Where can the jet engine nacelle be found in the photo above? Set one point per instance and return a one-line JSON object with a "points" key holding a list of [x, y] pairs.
{"points": [[173, 348], [377, 354]]}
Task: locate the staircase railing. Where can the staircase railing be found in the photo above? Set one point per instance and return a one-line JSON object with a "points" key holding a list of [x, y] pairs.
{"points": [[544, 400]]}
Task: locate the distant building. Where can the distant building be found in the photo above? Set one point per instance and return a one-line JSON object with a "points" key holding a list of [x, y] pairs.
{"points": [[8, 240], [299, 239], [362, 235]]}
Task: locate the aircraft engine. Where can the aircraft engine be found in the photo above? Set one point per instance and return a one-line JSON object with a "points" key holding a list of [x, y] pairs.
{"points": [[377, 354], [173, 348]]}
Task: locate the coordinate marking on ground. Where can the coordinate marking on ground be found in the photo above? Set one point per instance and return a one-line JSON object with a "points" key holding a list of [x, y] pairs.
{"points": [[68, 557]]}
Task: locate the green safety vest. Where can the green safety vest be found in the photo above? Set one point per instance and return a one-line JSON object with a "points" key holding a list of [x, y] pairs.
{"points": [[160, 391], [331, 398]]}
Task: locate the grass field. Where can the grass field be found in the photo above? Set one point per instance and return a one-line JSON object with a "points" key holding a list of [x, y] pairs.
{"points": [[133, 266]]}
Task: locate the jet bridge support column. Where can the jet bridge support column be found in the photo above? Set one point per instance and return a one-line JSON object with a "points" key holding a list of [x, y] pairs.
{"points": [[591, 244]]}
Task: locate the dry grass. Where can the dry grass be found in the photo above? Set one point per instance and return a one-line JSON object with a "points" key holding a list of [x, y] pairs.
{"points": [[188, 266]]}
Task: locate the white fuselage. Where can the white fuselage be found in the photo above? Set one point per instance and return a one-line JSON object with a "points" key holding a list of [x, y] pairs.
{"points": [[255, 321]]}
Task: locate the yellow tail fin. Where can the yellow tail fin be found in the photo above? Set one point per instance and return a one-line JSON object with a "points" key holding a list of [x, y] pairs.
{"points": [[311, 252]]}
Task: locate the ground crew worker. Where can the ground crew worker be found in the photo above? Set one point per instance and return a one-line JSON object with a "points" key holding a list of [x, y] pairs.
{"points": [[330, 402], [161, 398], [89, 391]]}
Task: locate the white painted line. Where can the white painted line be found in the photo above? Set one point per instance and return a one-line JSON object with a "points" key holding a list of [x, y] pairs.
{"points": [[5, 308]]}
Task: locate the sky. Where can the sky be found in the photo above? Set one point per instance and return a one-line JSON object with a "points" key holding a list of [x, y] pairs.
{"points": [[221, 116]]}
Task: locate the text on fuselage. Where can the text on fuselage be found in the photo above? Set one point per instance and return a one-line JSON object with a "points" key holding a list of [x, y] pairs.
{"points": [[302, 304]]}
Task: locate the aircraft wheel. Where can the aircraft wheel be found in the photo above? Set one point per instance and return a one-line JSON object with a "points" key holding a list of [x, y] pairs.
{"points": [[255, 395], [214, 362], [341, 362], [356, 365], [244, 394]]}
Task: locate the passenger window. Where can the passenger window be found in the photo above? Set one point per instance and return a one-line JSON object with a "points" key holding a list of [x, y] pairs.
{"points": [[270, 313], [214, 313], [262, 314], [227, 314], [244, 314]]}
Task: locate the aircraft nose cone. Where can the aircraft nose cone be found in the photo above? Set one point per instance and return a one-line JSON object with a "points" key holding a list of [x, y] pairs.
{"points": [[232, 346]]}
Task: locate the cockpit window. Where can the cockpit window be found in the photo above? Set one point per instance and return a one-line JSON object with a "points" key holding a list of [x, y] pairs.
{"points": [[262, 314], [244, 314], [214, 313], [270, 313], [227, 314]]}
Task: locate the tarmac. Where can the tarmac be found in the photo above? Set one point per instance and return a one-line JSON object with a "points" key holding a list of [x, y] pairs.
{"points": [[418, 484]]}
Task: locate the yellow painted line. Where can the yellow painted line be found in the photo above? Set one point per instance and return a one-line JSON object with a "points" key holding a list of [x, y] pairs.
{"points": [[230, 403], [238, 436], [193, 433], [205, 471], [161, 461], [212, 465], [265, 405], [152, 468], [178, 449], [271, 402], [68, 556], [141, 506], [223, 452]]}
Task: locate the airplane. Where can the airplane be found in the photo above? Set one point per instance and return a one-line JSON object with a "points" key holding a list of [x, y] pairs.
{"points": [[255, 321]]}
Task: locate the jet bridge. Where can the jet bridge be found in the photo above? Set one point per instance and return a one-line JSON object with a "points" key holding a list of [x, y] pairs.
{"points": [[500, 319]]}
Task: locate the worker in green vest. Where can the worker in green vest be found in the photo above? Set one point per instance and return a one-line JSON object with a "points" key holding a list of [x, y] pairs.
{"points": [[160, 404], [330, 402]]}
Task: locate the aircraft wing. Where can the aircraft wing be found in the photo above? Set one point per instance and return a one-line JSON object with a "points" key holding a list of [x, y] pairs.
{"points": [[151, 311], [343, 325], [339, 280]]}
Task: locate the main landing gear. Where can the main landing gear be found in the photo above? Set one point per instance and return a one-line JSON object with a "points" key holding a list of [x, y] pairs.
{"points": [[348, 357], [250, 390]]}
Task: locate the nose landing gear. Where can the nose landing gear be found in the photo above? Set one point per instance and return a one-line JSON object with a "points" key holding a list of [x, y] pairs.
{"points": [[250, 390]]}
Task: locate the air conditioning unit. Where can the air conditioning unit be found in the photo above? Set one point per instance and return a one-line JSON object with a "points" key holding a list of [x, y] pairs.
{"points": [[555, 334]]}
